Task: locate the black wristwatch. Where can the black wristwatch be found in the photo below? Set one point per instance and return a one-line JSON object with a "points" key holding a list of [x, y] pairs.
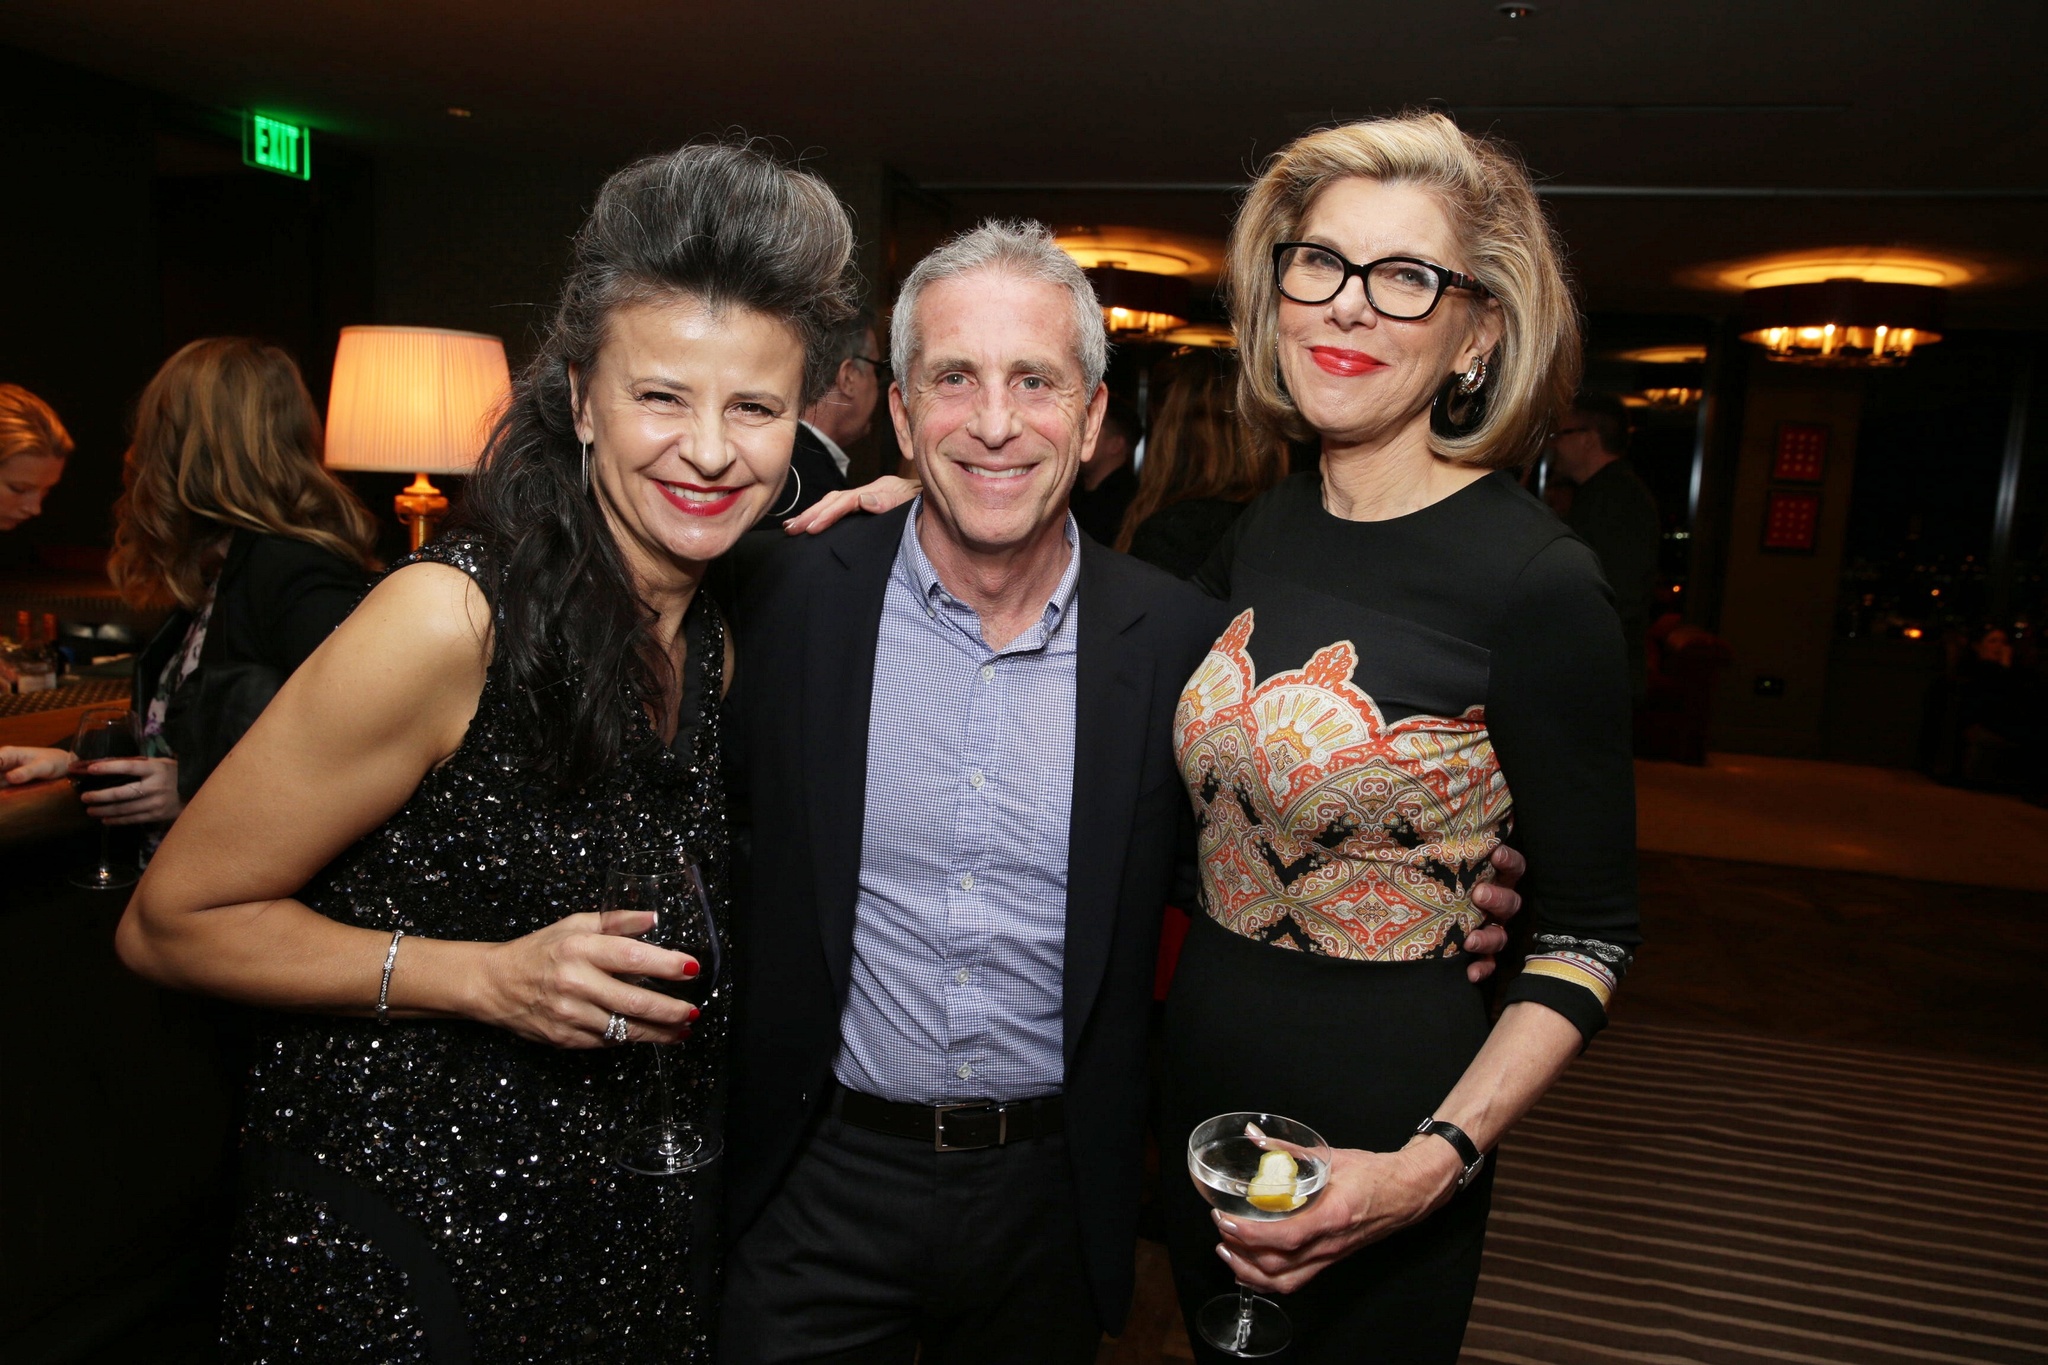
{"points": [[1468, 1151]]}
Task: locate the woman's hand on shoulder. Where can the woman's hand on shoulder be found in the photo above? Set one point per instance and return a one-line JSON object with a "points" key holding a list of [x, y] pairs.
{"points": [[884, 494], [1370, 1195], [562, 984]]}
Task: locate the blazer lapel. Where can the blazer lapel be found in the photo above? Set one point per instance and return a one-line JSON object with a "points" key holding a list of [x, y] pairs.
{"points": [[844, 621], [1112, 681]]}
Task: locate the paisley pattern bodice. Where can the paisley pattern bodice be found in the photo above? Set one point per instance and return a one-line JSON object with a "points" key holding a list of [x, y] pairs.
{"points": [[1322, 825]]}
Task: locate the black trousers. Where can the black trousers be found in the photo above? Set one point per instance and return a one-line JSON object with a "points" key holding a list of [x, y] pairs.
{"points": [[880, 1251]]}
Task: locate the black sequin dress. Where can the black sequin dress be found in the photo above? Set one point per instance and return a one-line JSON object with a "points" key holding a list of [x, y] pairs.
{"points": [[443, 1191]]}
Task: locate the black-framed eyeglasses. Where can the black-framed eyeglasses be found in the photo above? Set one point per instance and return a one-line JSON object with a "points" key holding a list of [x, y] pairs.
{"points": [[881, 366], [1397, 287]]}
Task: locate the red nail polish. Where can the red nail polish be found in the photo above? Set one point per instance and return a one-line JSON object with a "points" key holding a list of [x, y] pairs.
{"points": [[694, 1012], [690, 969]]}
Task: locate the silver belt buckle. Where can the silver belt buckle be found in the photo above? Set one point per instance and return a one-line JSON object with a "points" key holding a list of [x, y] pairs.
{"points": [[940, 1111]]}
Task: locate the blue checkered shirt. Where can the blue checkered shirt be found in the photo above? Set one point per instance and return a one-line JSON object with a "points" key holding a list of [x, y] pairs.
{"points": [[959, 938]]}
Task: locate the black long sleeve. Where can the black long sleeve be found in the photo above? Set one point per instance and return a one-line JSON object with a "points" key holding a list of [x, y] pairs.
{"points": [[1557, 707]]}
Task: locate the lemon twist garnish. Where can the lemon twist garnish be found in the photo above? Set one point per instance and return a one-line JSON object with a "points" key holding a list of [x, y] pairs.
{"points": [[1272, 1189]]}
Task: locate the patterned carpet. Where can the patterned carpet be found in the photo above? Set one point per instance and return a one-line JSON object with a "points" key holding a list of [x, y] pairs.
{"points": [[1686, 1197]]}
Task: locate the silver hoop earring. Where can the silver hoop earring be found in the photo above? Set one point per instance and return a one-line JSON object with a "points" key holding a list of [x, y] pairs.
{"points": [[1474, 377], [586, 466], [795, 497]]}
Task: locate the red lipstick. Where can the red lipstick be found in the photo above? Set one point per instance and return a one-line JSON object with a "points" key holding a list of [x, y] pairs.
{"points": [[699, 509], [1346, 364]]}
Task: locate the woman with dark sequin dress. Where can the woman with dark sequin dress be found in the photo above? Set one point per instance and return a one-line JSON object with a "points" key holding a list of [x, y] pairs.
{"points": [[405, 858]]}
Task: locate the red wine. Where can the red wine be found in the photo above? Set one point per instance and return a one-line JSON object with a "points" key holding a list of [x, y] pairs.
{"points": [[696, 989], [96, 782]]}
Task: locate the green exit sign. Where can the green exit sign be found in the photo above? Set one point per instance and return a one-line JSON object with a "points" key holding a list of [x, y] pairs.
{"points": [[275, 144]]}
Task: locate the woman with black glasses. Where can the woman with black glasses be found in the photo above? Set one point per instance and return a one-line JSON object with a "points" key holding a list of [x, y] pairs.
{"points": [[1422, 659]]}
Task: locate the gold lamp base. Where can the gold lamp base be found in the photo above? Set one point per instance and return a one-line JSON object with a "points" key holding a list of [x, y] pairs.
{"points": [[420, 509]]}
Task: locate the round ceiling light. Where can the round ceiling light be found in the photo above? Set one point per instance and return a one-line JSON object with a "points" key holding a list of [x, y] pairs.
{"points": [[1843, 321], [1684, 353], [1138, 304], [1817, 265], [1155, 251], [1216, 336]]}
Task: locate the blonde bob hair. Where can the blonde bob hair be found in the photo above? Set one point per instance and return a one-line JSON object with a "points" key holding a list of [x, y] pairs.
{"points": [[226, 437], [1509, 247]]}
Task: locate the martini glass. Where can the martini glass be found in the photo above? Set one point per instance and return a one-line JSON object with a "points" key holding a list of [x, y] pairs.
{"points": [[1223, 1157]]}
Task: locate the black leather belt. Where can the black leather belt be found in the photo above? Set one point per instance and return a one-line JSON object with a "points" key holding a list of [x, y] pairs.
{"points": [[956, 1127]]}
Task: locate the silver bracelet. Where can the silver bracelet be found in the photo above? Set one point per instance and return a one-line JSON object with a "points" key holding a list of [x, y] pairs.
{"points": [[384, 986]]}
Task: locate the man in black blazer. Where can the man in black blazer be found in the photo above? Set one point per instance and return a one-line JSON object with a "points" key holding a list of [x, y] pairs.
{"points": [[954, 739], [875, 1224]]}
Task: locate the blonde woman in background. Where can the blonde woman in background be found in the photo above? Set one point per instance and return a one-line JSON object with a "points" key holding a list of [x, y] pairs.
{"points": [[1201, 468], [228, 518], [33, 447]]}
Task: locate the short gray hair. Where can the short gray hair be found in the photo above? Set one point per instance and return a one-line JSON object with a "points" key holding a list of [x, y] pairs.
{"points": [[1015, 247]]}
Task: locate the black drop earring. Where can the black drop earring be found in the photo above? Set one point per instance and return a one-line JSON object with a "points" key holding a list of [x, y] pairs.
{"points": [[1460, 405]]}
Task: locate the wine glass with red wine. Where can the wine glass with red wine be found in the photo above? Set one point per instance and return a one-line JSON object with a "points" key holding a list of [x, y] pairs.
{"points": [[672, 886], [103, 732]]}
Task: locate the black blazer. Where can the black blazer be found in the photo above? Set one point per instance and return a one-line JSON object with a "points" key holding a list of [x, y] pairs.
{"points": [[275, 599], [807, 634]]}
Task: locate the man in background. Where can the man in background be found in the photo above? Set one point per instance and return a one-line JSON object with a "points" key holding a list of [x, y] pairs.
{"points": [[841, 415], [1103, 492], [1614, 511]]}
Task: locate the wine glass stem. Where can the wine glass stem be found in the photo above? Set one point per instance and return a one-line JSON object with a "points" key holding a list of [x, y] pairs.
{"points": [[106, 852], [669, 1141], [1245, 1310]]}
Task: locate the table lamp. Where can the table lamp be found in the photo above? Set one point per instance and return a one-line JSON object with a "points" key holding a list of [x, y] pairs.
{"points": [[418, 400]]}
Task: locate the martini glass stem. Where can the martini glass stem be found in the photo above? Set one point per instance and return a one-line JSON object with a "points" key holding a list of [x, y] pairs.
{"points": [[1245, 1310]]}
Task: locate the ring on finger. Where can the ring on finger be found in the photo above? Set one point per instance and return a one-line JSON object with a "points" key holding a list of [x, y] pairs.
{"points": [[615, 1029]]}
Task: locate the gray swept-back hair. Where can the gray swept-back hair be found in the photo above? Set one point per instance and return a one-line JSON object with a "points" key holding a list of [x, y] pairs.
{"points": [[1015, 247]]}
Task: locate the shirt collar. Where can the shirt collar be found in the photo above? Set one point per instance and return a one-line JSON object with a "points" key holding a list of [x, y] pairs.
{"points": [[916, 570], [831, 447]]}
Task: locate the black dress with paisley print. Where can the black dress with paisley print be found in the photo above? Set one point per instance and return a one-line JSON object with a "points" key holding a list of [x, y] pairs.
{"points": [[1390, 701]]}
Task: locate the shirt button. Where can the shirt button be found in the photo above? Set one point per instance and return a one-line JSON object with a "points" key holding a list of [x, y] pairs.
{"points": [[988, 672], [932, 612], [961, 976], [974, 778], [967, 882], [965, 1071]]}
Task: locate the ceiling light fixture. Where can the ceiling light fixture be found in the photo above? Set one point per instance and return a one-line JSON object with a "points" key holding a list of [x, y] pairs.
{"points": [[457, 111], [1138, 304], [1682, 353], [1216, 336], [1516, 11], [1843, 322]]}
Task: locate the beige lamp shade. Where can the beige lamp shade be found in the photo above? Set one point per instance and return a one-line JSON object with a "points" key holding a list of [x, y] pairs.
{"points": [[409, 400]]}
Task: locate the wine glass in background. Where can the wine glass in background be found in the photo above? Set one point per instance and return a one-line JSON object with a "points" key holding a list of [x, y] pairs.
{"points": [[103, 732], [1258, 1167], [672, 886]]}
